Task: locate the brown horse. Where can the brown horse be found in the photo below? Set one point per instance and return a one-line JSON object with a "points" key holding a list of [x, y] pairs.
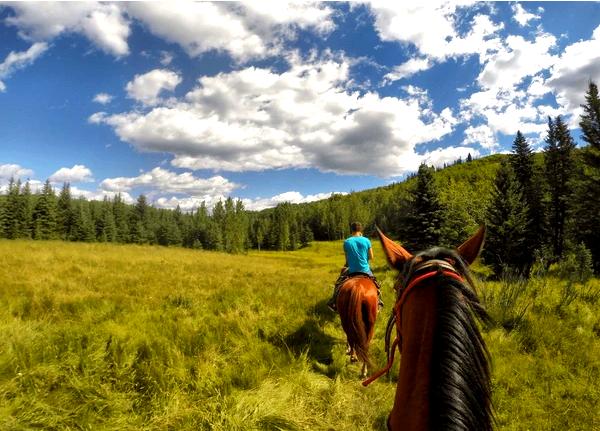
{"points": [[357, 306], [444, 378]]}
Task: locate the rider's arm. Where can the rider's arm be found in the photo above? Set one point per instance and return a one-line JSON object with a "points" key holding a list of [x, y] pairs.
{"points": [[370, 253]]}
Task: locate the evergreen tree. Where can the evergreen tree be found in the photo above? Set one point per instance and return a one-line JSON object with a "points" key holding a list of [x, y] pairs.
{"points": [[425, 223], [138, 222], [469, 158], [559, 167], [120, 216], [83, 228], [65, 215], [44, 214], [26, 212], [588, 195], [522, 164], [12, 210], [506, 224]]}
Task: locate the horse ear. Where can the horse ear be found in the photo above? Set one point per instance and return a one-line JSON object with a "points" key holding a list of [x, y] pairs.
{"points": [[469, 250], [396, 254]]}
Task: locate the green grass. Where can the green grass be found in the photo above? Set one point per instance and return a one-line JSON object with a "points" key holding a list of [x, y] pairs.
{"points": [[122, 337]]}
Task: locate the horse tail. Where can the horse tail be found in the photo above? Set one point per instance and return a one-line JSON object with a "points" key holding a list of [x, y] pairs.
{"points": [[358, 312], [460, 363]]}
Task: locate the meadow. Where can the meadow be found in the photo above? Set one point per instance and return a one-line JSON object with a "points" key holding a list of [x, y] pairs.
{"points": [[125, 337]]}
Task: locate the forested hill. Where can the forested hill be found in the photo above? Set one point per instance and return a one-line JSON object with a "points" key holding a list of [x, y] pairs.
{"points": [[464, 190]]}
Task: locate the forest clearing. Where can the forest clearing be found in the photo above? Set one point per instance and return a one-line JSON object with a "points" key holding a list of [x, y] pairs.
{"points": [[102, 336]]}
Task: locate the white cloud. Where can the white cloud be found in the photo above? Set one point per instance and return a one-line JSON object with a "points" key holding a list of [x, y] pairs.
{"points": [[103, 24], [450, 154], [99, 195], [517, 60], [191, 203], [9, 171], [430, 27], [570, 74], [147, 87], [243, 30], [166, 181], [408, 69], [255, 119], [103, 98], [76, 174], [522, 16], [481, 135], [18, 60], [166, 58], [293, 197]]}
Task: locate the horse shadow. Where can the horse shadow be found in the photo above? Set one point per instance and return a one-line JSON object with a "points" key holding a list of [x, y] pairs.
{"points": [[311, 340]]}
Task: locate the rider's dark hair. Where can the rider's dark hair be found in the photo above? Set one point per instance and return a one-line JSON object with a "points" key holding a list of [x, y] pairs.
{"points": [[356, 227]]}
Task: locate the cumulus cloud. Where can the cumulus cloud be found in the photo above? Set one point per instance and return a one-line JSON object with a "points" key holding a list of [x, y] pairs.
{"points": [[293, 197], [450, 154], [518, 59], [256, 118], [147, 87], [103, 98], [103, 24], [570, 74], [257, 204], [431, 28], [522, 16], [408, 69], [166, 181], [481, 135], [8, 171], [76, 174], [99, 195], [244, 30], [18, 60]]}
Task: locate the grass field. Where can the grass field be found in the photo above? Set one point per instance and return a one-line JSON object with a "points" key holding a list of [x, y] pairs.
{"points": [[115, 337]]}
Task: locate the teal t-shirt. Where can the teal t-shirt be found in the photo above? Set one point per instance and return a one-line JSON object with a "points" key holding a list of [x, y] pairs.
{"points": [[357, 254]]}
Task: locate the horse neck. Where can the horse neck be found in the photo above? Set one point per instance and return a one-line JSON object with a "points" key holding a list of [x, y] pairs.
{"points": [[411, 405], [444, 380]]}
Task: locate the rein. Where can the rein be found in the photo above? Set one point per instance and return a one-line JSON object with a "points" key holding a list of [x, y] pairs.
{"points": [[442, 268]]}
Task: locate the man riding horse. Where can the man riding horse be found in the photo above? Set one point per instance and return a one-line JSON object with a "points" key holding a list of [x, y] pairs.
{"points": [[358, 251]]}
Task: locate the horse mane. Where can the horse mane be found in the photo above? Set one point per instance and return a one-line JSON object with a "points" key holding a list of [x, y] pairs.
{"points": [[460, 397]]}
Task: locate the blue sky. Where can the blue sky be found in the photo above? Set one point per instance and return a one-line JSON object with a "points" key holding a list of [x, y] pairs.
{"points": [[268, 102]]}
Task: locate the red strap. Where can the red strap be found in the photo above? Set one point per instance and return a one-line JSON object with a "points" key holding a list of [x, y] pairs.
{"points": [[397, 309], [384, 370]]}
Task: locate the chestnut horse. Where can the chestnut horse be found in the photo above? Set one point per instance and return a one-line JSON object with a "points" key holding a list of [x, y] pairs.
{"points": [[357, 306], [444, 378]]}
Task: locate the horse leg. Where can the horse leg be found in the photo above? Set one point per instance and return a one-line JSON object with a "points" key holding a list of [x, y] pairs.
{"points": [[364, 371]]}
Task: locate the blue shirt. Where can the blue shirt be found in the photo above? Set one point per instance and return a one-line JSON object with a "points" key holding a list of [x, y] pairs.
{"points": [[357, 254]]}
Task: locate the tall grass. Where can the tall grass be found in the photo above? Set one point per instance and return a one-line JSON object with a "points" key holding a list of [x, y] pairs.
{"points": [[109, 337]]}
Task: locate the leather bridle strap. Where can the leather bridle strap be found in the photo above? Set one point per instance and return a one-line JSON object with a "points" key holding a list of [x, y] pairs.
{"points": [[398, 308]]}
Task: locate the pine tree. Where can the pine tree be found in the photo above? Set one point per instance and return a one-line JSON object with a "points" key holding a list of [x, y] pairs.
{"points": [[120, 216], [559, 170], [26, 212], [44, 214], [506, 224], [65, 215], [522, 163], [588, 194], [12, 210], [425, 224]]}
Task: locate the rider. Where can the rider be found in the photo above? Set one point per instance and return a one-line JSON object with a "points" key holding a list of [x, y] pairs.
{"points": [[358, 251]]}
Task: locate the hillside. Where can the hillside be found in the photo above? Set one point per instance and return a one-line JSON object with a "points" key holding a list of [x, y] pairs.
{"points": [[100, 336]]}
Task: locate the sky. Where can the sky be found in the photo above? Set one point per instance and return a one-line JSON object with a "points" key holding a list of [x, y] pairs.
{"points": [[272, 101]]}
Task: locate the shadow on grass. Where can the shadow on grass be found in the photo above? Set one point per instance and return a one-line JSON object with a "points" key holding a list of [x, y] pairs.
{"points": [[310, 340], [322, 312]]}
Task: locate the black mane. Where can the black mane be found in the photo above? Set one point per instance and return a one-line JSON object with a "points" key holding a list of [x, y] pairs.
{"points": [[460, 397]]}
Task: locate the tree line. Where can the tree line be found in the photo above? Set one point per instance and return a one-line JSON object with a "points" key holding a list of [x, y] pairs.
{"points": [[534, 204]]}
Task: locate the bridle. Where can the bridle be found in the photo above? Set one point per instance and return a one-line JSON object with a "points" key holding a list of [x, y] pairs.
{"points": [[416, 276]]}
